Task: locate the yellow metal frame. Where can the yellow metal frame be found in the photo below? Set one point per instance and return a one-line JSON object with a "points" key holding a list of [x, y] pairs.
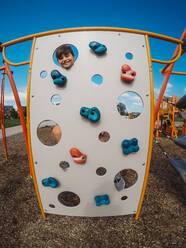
{"points": [[151, 127], [149, 34], [150, 60]]}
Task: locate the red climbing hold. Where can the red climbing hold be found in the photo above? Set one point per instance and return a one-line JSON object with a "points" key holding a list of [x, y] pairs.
{"points": [[127, 75]]}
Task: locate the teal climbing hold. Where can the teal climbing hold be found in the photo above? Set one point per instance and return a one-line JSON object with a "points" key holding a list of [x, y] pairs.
{"points": [[129, 146], [50, 182], [93, 114], [58, 78], [97, 47], [102, 200]]}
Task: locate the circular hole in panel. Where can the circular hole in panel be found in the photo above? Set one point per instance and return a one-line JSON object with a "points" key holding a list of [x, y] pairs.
{"points": [[69, 199], [71, 54], [130, 177], [97, 79], [129, 56], [124, 198], [130, 105], [43, 74], [104, 136], [51, 205], [56, 99], [49, 132], [64, 165], [101, 171]]}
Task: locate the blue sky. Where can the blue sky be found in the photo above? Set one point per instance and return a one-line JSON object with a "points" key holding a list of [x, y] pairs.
{"points": [[22, 17]]}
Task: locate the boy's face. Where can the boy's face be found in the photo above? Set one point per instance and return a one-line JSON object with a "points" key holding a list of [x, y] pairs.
{"points": [[66, 60]]}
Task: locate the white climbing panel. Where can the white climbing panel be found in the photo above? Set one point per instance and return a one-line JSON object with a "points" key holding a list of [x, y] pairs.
{"points": [[78, 132]]}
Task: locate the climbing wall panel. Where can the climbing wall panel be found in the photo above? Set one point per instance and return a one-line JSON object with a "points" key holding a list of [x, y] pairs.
{"points": [[78, 132]]}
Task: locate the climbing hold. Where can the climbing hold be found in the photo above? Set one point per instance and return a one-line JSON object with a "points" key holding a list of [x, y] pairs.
{"points": [[119, 182], [127, 74], [129, 146], [97, 47], [102, 200], [58, 78], [78, 157], [84, 112], [93, 114], [64, 165], [51, 182]]}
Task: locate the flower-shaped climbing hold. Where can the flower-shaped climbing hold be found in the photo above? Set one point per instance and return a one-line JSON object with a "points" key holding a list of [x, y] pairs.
{"points": [[97, 47], [50, 182], [93, 114], [129, 146], [102, 200], [58, 78], [127, 74], [78, 157]]}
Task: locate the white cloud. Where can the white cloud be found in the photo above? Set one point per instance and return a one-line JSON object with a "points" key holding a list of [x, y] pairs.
{"points": [[167, 91], [184, 90], [10, 100], [156, 92]]}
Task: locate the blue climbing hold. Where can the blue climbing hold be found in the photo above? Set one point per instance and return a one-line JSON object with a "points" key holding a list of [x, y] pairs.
{"points": [[51, 182], [102, 200], [93, 114], [129, 146], [58, 78], [84, 111], [97, 47]]}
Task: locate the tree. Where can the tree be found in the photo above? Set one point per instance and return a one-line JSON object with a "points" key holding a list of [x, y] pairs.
{"points": [[122, 109], [13, 114]]}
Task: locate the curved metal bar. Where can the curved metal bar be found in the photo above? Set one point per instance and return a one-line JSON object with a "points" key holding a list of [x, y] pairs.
{"points": [[11, 63], [175, 73], [150, 34], [30, 156], [151, 128], [3, 116], [172, 60]]}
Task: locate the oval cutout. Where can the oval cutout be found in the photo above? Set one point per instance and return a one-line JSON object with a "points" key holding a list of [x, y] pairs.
{"points": [[104, 136], [130, 177], [130, 105], [51, 205], [43, 74], [49, 132], [69, 199], [97, 79], [123, 198], [70, 52], [56, 99], [129, 56], [101, 171]]}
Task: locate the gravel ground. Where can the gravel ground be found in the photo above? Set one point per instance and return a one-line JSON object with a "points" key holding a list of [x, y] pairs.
{"points": [[162, 221]]}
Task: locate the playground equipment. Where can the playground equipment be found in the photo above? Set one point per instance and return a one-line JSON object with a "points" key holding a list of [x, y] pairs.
{"points": [[54, 173], [167, 117]]}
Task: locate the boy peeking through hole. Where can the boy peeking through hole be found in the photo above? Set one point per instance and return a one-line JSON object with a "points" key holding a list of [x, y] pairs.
{"points": [[65, 56]]}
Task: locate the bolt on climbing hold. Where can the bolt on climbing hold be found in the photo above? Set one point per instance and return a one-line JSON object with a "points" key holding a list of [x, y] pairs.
{"points": [[102, 200], [97, 47], [78, 157], [58, 78], [119, 182], [64, 165], [51, 182], [127, 74], [129, 146], [93, 114]]}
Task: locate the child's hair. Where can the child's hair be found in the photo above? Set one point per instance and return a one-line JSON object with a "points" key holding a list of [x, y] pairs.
{"points": [[63, 49]]}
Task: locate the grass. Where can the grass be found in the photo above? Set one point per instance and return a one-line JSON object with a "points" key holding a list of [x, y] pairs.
{"points": [[12, 123]]}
